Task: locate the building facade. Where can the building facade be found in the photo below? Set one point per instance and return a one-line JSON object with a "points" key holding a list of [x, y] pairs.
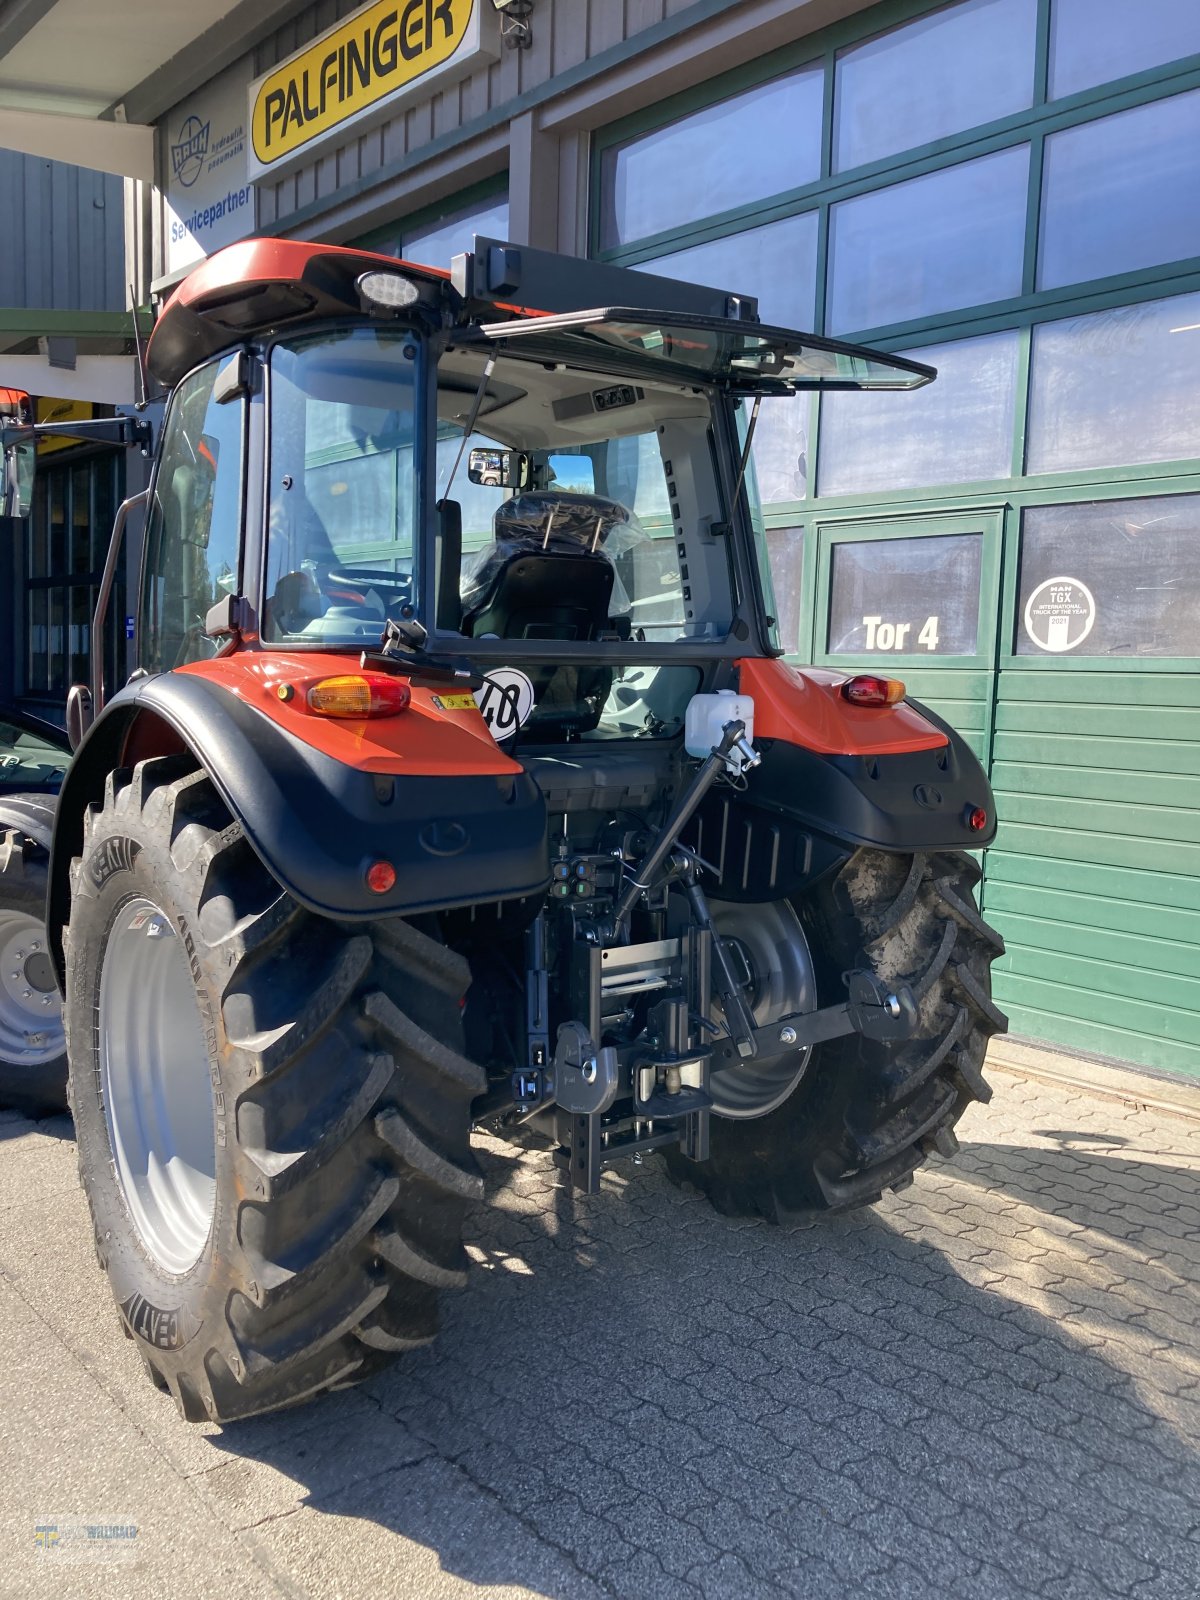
{"points": [[63, 320], [1007, 189]]}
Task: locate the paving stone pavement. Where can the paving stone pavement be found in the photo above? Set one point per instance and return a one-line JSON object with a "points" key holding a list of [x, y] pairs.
{"points": [[987, 1388]]}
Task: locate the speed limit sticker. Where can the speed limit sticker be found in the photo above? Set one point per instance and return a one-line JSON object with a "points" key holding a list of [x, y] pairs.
{"points": [[505, 701], [1059, 614]]}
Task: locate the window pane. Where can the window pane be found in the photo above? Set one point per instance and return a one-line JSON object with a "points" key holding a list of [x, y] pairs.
{"points": [[958, 430], [785, 547], [778, 263], [956, 69], [746, 148], [79, 554], [36, 678], [436, 242], [192, 528], [39, 548], [58, 521], [951, 238], [912, 597], [1075, 590], [1094, 41], [1116, 387], [340, 534], [1121, 193], [780, 450], [107, 499], [80, 631], [58, 661]]}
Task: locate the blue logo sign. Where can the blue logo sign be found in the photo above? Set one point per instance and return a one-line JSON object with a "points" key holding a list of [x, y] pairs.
{"points": [[187, 156]]}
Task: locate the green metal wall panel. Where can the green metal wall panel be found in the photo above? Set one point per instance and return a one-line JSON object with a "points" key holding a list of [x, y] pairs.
{"points": [[1095, 878]]}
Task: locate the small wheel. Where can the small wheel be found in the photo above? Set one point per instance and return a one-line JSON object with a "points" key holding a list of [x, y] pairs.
{"points": [[33, 1062], [781, 981]]}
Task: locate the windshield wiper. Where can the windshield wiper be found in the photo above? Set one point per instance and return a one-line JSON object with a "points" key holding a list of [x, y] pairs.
{"points": [[402, 650]]}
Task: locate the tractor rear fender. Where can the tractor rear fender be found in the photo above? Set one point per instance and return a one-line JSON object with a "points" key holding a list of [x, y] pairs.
{"points": [[316, 823], [834, 778]]}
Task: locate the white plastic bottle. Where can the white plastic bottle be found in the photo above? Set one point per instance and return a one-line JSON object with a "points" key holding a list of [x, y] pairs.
{"points": [[707, 716]]}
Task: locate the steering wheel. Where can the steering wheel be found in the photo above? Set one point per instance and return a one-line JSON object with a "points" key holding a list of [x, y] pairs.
{"points": [[359, 579]]}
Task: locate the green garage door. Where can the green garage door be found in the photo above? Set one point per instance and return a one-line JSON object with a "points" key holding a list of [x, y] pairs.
{"points": [[917, 597], [1061, 640], [1095, 877]]}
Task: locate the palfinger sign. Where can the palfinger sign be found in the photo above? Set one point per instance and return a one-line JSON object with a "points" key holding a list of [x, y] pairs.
{"points": [[357, 73]]}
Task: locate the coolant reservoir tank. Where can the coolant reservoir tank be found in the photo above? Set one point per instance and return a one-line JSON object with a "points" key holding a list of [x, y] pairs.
{"points": [[707, 715]]}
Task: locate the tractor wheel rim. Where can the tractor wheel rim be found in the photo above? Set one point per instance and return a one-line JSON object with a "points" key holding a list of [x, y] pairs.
{"points": [[31, 1027], [157, 1085], [784, 984]]}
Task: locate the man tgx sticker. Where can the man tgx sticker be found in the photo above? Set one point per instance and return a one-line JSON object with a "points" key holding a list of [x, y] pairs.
{"points": [[1059, 614], [505, 701]]}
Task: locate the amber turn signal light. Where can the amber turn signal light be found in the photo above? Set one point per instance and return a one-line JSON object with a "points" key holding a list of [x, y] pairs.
{"points": [[866, 690], [359, 694]]}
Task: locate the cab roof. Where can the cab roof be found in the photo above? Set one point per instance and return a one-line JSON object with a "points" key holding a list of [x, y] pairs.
{"points": [[698, 335], [264, 284]]}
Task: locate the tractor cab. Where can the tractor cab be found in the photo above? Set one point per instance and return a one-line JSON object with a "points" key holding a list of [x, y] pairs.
{"points": [[565, 496]]}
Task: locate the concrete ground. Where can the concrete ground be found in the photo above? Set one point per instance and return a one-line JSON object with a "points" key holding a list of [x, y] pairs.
{"points": [[989, 1386]]}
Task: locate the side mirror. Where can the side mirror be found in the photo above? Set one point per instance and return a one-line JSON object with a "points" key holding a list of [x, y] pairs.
{"points": [[19, 470], [500, 469]]}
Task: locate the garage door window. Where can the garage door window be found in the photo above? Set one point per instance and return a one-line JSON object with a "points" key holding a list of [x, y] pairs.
{"points": [[912, 597], [1110, 578]]}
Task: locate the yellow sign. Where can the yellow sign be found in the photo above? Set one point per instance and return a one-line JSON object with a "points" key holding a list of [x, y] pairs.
{"points": [[61, 411], [454, 702], [361, 67]]}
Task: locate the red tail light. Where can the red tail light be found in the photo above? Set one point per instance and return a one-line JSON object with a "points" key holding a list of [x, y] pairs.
{"points": [[976, 818], [866, 690], [381, 876], [358, 695]]}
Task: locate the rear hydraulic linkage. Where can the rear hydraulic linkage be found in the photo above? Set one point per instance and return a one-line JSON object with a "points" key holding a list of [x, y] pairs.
{"points": [[667, 1075]]}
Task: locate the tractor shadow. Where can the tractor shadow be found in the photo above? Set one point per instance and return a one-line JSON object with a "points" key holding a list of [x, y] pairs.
{"points": [[987, 1386]]}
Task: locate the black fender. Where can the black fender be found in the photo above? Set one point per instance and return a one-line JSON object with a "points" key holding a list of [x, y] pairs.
{"points": [[315, 823], [803, 812]]}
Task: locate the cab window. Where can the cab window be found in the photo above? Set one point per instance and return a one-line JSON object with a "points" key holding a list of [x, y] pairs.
{"points": [[193, 531]]}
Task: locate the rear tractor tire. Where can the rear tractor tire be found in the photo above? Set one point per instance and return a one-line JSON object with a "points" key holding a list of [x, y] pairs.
{"points": [[864, 1115], [272, 1109], [33, 1060]]}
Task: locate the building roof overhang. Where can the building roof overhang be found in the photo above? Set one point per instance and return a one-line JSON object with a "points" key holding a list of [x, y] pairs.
{"points": [[68, 65]]}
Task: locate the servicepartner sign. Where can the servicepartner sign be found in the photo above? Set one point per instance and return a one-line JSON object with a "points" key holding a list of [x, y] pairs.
{"points": [[356, 75], [209, 198]]}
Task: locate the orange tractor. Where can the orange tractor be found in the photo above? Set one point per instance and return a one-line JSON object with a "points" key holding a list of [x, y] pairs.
{"points": [[460, 784]]}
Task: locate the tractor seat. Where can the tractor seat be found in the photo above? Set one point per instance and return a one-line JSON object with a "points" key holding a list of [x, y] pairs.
{"points": [[546, 575]]}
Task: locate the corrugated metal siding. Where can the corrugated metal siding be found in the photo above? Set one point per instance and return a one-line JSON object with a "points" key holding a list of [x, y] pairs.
{"points": [[1095, 879], [65, 227], [564, 34], [959, 694]]}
